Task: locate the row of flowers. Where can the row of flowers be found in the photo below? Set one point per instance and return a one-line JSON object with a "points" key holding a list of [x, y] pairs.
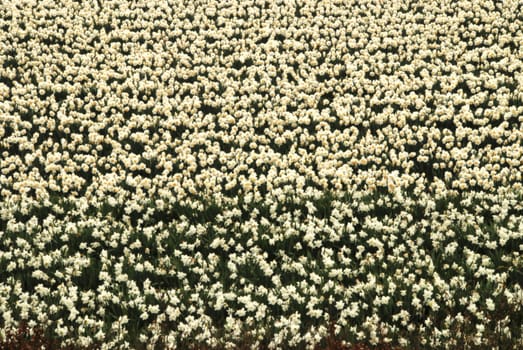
{"points": [[246, 96], [380, 266]]}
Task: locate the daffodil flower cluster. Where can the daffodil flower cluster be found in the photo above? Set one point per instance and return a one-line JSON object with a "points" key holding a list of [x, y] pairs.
{"points": [[201, 172]]}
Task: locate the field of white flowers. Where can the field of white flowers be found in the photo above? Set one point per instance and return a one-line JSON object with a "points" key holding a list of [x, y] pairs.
{"points": [[176, 174]]}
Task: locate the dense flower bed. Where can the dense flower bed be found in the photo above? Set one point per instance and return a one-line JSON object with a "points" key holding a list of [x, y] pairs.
{"points": [[194, 173]]}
